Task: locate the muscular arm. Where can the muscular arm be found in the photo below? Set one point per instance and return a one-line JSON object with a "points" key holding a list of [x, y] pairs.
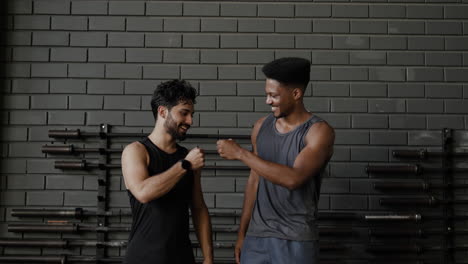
{"points": [[135, 173], [318, 150], [201, 219]]}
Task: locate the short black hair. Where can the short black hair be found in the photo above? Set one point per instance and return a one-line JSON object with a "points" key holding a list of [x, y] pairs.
{"points": [[289, 70], [171, 93]]}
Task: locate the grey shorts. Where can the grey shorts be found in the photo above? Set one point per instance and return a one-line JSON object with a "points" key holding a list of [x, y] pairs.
{"points": [[269, 250]]}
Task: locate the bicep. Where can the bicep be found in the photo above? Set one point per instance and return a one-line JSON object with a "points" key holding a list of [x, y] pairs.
{"points": [[134, 167], [197, 194]]}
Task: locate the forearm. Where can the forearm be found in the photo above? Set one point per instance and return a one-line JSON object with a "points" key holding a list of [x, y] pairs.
{"points": [[202, 223], [160, 184], [250, 196]]}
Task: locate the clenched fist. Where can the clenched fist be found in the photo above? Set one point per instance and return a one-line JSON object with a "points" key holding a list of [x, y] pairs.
{"points": [[229, 149], [196, 156]]}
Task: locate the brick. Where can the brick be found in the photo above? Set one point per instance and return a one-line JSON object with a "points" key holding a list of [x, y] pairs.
{"points": [[367, 57], [104, 117], [443, 59], [12, 166], [214, 119], [348, 202], [313, 10], [127, 8], [49, 102], [89, 70], [444, 28], [127, 71], [49, 70], [238, 9], [229, 200], [182, 24], [218, 25], [234, 104], [83, 39], [206, 103], [406, 27], [14, 134], [313, 42], [80, 198], [294, 53], [65, 118], [218, 184], [41, 198], [67, 86], [201, 72], [163, 9], [201, 9], [217, 88], [143, 55], [455, 11], [255, 56], [236, 72], [251, 88], [69, 23], [275, 10], [320, 74], [424, 138], [105, 86], [330, 26], [30, 86], [17, 70], [427, 11], [425, 43], [25, 150], [238, 41], [25, 182], [376, 27], [15, 102], [388, 43], [335, 185], [20, 7], [387, 74], [276, 41], [139, 87], [351, 170], [256, 25], [347, 11], [350, 42], [63, 182], [349, 105], [200, 41], [330, 89], [68, 54], [350, 137], [387, 106], [330, 57], [107, 23], [86, 102], [369, 154], [368, 90], [89, 7], [405, 58], [425, 74], [248, 119], [425, 106], [116, 102], [139, 119], [30, 54], [443, 90], [119, 199], [392, 138], [106, 54], [456, 43], [170, 40], [161, 71], [348, 73], [146, 24], [456, 75], [337, 120], [52, 7], [126, 39], [407, 121], [387, 11], [456, 106], [32, 22], [444, 121], [371, 121], [405, 90], [218, 56], [17, 38], [44, 38]]}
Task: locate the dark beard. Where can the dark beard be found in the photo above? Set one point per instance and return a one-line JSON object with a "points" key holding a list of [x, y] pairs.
{"points": [[173, 129]]}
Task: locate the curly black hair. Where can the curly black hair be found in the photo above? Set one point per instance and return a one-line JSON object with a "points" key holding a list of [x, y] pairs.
{"points": [[171, 93]]}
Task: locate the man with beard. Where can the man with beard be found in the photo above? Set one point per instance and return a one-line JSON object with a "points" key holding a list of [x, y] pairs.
{"points": [[163, 181], [291, 147]]}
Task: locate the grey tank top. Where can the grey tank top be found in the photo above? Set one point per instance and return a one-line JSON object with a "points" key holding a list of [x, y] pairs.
{"points": [[279, 212]]}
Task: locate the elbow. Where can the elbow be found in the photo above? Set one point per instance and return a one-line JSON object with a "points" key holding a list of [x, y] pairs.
{"points": [[141, 197], [293, 184]]}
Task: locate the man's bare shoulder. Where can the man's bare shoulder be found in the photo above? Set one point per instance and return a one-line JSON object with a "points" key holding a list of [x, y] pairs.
{"points": [[135, 150], [321, 131], [259, 122]]}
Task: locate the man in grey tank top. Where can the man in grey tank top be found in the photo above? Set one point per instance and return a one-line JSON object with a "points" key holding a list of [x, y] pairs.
{"points": [[291, 147]]}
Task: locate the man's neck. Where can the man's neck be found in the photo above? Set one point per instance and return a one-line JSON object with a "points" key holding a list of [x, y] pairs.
{"points": [[163, 140], [294, 119]]}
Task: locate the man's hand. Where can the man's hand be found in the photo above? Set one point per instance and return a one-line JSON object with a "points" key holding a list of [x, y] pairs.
{"points": [[237, 249], [229, 149], [196, 156]]}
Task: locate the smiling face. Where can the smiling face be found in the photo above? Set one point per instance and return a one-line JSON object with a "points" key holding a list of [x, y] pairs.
{"points": [[280, 97], [179, 119]]}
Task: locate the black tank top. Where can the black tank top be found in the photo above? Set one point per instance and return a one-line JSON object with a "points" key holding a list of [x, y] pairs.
{"points": [[280, 212], [160, 228]]}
